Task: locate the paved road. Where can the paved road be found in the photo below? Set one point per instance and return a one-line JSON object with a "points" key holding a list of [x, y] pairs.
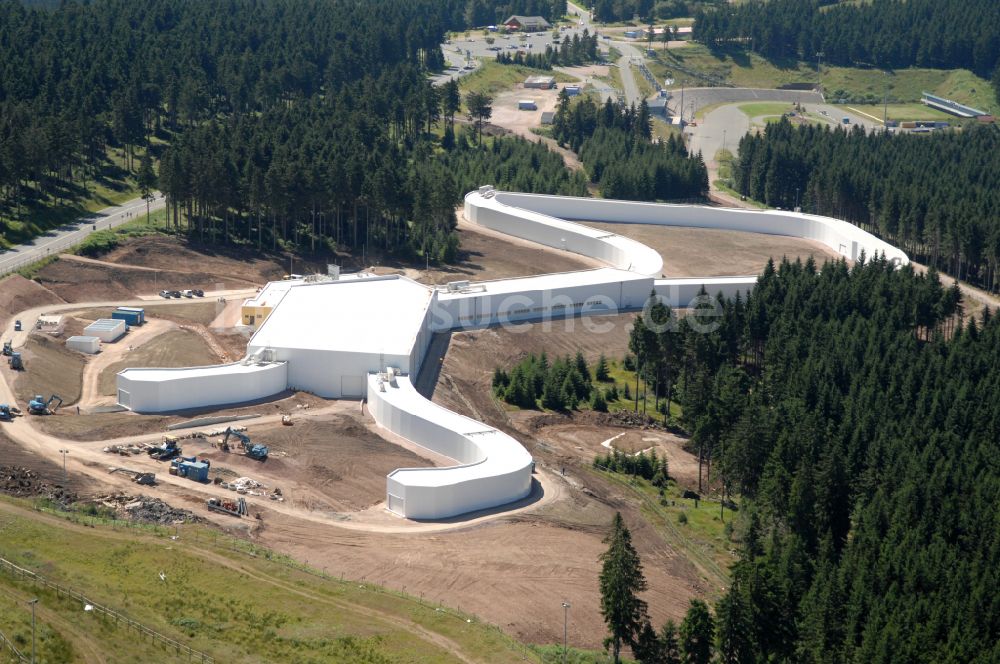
{"points": [[74, 233], [695, 99], [630, 55]]}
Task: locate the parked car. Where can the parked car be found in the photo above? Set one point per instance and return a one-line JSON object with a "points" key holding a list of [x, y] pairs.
{"points": [[175, 293], [197, 292], [17, 326], [165, 294], [187, 293]]}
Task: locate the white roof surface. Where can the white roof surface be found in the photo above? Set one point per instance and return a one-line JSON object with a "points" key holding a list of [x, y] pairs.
{"points": [[498, 453], [154, 375], [542, 282], [105, 324], [83, 339], [374, 315]]}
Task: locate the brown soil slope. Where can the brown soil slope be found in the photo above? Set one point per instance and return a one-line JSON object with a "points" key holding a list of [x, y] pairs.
{"points": [[18, 294]]}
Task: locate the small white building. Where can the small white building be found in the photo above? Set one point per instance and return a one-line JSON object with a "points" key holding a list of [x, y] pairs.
{"points": [[106, 329], [540, 82], [527, 105], [89, 345]]}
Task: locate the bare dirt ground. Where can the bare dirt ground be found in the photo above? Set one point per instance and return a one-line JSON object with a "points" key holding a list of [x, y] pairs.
{"points": [[690, 252], [485, 255], [76, 279], [51, 368], [172, 348], [18, 294], [565, 535], [507, 116], [333, 465]]}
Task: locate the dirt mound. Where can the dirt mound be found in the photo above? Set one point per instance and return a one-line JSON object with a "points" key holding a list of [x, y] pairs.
{"points": [[51, 368], [145, 509], [22, 482], [82, 280], [168, 253], [18, 294]]}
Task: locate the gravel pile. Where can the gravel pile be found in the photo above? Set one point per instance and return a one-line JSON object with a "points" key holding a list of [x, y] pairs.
{"points": [[146, 509]]}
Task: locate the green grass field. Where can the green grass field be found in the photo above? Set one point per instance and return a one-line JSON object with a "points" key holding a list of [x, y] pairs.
{"points": [[855, 85], [113, 187], [761, 109], [217, 595], [904, 112], [492, 77]]}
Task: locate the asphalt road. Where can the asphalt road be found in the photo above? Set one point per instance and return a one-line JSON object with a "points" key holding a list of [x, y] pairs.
{"points": [[76, 232]]}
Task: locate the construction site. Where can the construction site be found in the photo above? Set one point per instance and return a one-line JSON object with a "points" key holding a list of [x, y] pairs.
{"points": [[369, 445]]}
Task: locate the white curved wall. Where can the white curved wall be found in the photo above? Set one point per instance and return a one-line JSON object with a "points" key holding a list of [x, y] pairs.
{"points": [[537, 217], [494, 469], [164, 390]]}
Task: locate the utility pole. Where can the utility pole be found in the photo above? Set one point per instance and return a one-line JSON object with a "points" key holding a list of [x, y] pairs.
{"points": [[33, 602], [681, 108], [885, 102], [64, 453], [565, 606]]}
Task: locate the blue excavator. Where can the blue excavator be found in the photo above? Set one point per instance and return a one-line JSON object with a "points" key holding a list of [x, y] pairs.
{"points": [[8, 412], [39, 406], [254, 451]]}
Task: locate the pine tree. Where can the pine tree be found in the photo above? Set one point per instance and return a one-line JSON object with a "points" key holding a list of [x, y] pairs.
{"points": [[601, 370], [598, 403], [697, 634], [621, 581], [670, 647]]}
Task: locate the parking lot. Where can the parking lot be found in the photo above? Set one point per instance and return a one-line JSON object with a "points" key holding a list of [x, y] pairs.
{"points": [[463, 54]]}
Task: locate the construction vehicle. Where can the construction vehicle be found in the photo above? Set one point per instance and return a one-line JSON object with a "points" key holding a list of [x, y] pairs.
{"points": [[8, 348], [15, 361], [167, 451], [138, 476], [8, 412], [258, 452], [236, 508], [39, 405]]}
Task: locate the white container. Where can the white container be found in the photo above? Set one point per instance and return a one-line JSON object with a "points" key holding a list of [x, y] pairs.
{"points": [[106, 329], [88, 345]]}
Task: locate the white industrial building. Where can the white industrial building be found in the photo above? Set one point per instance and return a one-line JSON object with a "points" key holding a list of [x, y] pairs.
{"points": [[362, 336], [105, 329]]}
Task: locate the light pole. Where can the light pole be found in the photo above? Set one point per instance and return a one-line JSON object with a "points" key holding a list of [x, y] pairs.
{"points": [[32, 602], [64, 453], [565, 606]]}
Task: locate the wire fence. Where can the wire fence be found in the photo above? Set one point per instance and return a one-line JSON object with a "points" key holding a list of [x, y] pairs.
{"points": [[4, 641], [119, 618]]}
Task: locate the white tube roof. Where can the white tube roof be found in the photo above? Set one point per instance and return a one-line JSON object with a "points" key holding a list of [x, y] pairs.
{"points": [[159, 374], [494, 452]]}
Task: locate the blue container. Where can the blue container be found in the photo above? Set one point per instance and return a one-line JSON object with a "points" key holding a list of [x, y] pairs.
{"points": [[138, 314], [131, 318]]}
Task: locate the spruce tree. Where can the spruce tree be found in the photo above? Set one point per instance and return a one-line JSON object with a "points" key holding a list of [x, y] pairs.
{"points": [[621, 581], [601, 370], [697, 634]]}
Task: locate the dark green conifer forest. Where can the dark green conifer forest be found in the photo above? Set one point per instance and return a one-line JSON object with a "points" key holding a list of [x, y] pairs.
{"points": [[935, 196], [941, 34], [857, 416]]}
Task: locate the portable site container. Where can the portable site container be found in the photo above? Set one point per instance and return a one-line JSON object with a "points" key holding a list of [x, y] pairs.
{"points": [[89, 345], [131, 318], [106, 329], [527, 105], [138, 311]]}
